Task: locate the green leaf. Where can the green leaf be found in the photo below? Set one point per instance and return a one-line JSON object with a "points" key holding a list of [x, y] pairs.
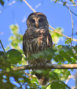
{"points": [[53, 75], [64, 3], [56, 34], [1, 53], [56, 1], [48, 54], [14, 29], [68, 40], [2, 2], [57, 84], [14, 56]]}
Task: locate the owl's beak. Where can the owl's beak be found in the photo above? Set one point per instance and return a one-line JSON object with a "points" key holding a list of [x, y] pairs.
{"points": [[37, 24]]}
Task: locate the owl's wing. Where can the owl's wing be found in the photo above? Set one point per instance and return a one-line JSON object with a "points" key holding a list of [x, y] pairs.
{"points": [[49, 41], [25, 44]]}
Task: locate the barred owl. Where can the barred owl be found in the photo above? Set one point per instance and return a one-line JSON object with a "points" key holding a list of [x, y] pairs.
{"points": [[37, 38]]}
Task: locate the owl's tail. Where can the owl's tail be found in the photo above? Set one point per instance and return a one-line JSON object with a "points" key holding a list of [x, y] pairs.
{"points": [[43, 79]]}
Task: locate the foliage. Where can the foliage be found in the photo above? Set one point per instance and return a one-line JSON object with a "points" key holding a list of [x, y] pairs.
{"points": [[16, 38], [59, 85], [2, 2], [14, 57], [65, 1]]}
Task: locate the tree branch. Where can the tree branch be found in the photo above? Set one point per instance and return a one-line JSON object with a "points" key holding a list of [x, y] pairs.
{"points": [[48, 66]]}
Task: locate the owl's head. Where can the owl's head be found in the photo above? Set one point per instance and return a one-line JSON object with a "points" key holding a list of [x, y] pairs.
{"points": [[37, 20]]}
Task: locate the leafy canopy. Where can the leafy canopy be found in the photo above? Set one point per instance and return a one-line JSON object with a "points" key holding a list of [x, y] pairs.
{"points": [[15, 57]]}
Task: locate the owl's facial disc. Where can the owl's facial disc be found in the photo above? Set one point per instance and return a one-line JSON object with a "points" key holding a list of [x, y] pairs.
{"points": [[37, 22], [34, 22]]}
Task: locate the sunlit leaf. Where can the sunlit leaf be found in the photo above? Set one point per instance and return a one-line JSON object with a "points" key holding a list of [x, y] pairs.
{"points": [[68, 40], [14, 29], [56, 34]]}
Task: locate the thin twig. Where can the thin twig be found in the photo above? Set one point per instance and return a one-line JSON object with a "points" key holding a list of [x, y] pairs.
{"points": [[29, 6], [49, 25], [2, 46], [62, 34], [71, 21], [71, 12]]}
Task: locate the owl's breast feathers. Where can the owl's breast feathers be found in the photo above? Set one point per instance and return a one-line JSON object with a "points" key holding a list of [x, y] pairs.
{"points": [[37, 38], [36, 41]]}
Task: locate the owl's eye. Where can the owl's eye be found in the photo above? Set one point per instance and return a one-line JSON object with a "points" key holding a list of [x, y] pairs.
{"points": [[41, 20], [32, 20]]}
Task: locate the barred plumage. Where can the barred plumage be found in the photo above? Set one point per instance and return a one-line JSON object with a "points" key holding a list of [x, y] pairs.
{"points": [[37, 38]]}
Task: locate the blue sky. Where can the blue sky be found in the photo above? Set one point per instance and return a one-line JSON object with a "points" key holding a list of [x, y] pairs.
{"points": [[58, 16], [17, 13]]}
